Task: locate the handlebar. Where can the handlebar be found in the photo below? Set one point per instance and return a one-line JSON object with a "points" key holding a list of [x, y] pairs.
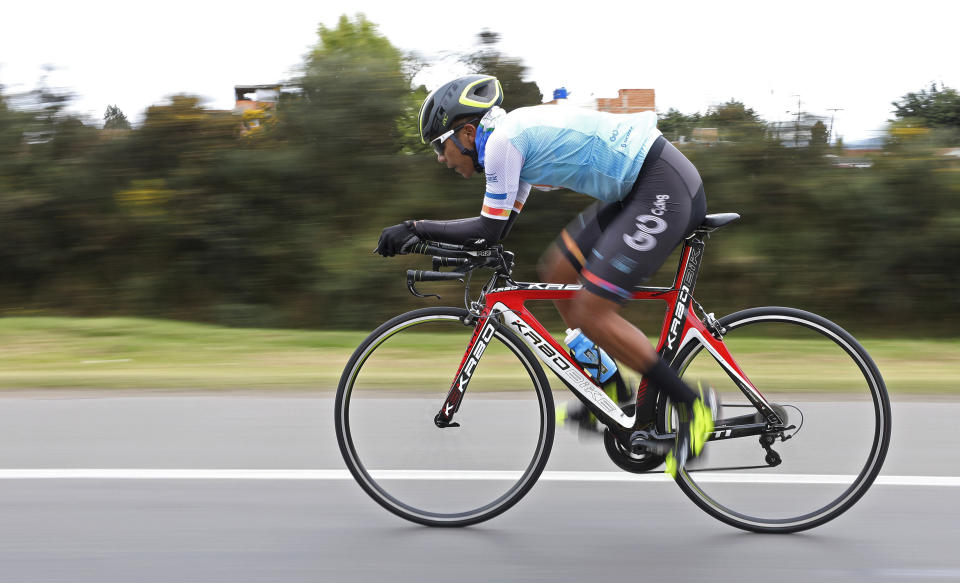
{"points": [[464, 259], [441, 250], [439, 262], [418, 275], [415, 275]]}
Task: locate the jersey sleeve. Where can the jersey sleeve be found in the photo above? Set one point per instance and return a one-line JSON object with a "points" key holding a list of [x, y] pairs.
{"points": [[505, 191]]}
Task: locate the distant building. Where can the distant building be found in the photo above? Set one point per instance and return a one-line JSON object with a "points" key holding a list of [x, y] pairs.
{"points": [[795, 134], [256, 97], [255, 104], [626, 101], [629, 101], [706, 135]]}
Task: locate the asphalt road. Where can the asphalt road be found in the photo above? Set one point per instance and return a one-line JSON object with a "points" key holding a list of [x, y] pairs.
{"points": [[287, 521]]}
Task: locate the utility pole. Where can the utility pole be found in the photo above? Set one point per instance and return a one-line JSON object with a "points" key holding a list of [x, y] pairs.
{"points": [[832, 111], [796, 129]]}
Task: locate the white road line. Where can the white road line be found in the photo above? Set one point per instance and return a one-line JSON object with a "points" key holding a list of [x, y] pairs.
{"points": [[551, 476]]}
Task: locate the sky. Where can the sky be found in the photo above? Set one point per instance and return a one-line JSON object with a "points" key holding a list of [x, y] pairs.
{"points": [[856, 56]]}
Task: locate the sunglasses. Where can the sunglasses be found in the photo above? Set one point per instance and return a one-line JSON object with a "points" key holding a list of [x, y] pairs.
{"points": [[437, 142]]}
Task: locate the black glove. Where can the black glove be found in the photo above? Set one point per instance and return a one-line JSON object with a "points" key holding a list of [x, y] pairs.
{"points": [[396, 239]]}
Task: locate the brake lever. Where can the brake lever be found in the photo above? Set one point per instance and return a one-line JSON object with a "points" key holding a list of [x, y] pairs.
{"points": [[411, 286]]}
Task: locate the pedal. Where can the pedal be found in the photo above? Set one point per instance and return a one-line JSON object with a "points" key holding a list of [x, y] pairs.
{"points": [[649, 441]]}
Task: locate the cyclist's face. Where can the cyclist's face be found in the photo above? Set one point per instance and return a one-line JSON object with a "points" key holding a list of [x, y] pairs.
{"points": [[453, 158]]}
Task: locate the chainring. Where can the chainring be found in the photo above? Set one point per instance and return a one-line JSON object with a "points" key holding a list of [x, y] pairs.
{"points": [[623, 458]]}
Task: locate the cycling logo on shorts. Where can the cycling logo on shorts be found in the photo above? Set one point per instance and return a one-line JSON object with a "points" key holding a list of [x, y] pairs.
{"points": [[649, 225]]}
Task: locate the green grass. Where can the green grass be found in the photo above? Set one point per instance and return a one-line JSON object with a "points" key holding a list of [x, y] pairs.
{"points": [[808, 364], [134, 353], [142, 353]]}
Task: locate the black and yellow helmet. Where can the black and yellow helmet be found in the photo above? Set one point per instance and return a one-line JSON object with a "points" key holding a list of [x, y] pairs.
{"points": [[473, 94]]}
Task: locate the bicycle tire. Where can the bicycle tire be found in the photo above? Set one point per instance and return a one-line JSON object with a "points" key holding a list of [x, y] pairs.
{"points": [[378, 484], [693, 482]]}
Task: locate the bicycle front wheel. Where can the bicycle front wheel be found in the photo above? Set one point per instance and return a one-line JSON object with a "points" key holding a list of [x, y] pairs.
{"points": [[836, 407], [393, 387]]}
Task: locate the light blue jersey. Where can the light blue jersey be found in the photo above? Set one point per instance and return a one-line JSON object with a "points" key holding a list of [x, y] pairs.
{"points": [[592, 152]]}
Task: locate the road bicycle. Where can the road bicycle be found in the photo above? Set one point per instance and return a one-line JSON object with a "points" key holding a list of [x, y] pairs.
{"points": [[807, 432]]}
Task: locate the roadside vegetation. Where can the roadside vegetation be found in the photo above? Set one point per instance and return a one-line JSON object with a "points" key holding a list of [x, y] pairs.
{"points": [[136, 353], [188, 214]]}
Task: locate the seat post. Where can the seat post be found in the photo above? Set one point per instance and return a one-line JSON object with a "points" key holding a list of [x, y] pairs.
{"points": [[690, 258], [692, 254]]}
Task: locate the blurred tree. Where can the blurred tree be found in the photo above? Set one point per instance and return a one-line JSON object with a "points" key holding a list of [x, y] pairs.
{"points": [[180, 130], [932, 108], [510, 71], [12, 127], [407, 123], [353, 89], [182, 217], [115, 119], [55, 224], [345, 132], [735, 121], [818, 135], [730, 113], [675, 125]]}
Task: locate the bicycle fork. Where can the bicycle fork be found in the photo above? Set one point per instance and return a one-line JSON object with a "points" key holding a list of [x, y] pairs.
{"points": [[484, 333]]}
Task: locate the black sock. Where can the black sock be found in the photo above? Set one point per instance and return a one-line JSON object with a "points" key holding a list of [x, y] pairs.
{"points": [[663, 378], [623, 391]]}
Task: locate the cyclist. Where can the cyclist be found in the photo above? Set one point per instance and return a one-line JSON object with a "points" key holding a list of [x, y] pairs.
{"points": [[649, 198]]}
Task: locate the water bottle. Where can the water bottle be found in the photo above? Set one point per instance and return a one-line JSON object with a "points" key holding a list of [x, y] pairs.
{"points": [[590, 356]]}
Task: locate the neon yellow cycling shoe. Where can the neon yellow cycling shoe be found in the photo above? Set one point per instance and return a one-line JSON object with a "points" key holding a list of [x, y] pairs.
{"points": [[695, 424]]}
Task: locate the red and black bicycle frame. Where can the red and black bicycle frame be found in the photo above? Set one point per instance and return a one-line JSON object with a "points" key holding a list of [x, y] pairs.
{"points": [[681, 326]]}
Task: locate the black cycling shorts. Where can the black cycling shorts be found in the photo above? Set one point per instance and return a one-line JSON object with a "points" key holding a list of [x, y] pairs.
{"points": [[616, 246]]}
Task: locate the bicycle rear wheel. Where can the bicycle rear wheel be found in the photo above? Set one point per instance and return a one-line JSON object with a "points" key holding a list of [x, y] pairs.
{"points": [[393, 387], [831, 392]]}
